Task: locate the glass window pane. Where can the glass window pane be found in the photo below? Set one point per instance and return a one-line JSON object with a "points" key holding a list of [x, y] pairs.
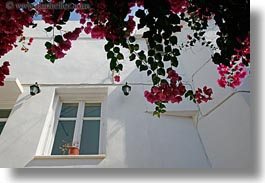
{"points": [[92, 110], [2, 125], [64, 135], [90, 137], [4, 113], [69, 110]]}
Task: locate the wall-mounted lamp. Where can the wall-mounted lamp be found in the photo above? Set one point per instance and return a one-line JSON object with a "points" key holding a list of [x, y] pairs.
{"points": [[34, 89], [126, 89]]}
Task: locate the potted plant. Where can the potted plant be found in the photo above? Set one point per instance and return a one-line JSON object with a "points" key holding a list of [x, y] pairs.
{"points": [[71, 149]]}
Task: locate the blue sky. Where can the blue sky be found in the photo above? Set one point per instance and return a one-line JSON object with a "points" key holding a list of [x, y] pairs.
{"points": [[76, 17]]}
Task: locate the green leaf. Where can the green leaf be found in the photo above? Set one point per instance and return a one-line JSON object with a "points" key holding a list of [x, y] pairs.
{"points": [[48, 29], [113, 63], [158, 56], [142, 55], [136, 47], [66, 16], [188, 93], [150, 60], [116, 49], [156, 113], [119, 67], [151, 43], [58, 27], [120, 56], [48, 45], [174, 61], [151, 52], [142, 23], [58, 39], [201, 33], [176, 52], [138, 63], [131, 48], [132, 39], [159, 47], [53, 58], [143, 68], [158, 38], [167, 57], [153, 66], [176, 28], [173, 40], [149, 72], [160, 64], [174, 19], [155, 79], [110, 55], [34, 25], [108, 46], [139, 13], [168, 49], [161, 72], [48, 56], [132, 57]]}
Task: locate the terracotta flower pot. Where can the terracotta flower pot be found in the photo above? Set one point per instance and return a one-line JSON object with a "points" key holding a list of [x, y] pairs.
{"points": [[73, 151]]}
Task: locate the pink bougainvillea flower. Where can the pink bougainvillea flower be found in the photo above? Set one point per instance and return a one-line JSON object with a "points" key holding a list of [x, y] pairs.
{"points": [[117, 78], [73, 35], [88, 28], [98, 32], [4, 70], [189, 36], [65, 45]]}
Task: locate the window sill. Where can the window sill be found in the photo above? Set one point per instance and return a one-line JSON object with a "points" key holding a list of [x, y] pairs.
{"points": [[50, 157]]}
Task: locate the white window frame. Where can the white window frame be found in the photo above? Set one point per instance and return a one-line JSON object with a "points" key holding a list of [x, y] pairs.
{"points": [[79, 119], [72, 95], [4, 120]]}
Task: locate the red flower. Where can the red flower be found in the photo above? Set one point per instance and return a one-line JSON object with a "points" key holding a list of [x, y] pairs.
{"points": [[57, 51], [177, 99], [117, 78], [65, 45], [88, 28], [131, 24], [222, 82], [73, 35], [98, 32], [4, 70], [207, 91]]}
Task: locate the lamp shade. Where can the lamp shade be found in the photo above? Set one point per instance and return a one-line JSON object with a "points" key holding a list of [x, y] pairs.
{"points": [[34, 89], [126, 89]]}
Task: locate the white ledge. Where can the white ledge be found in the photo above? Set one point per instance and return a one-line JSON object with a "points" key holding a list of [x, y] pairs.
{"points": [[186, 113], [96, 156]]}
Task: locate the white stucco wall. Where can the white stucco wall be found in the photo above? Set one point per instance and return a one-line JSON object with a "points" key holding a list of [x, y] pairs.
{"points": [[132, 136], [223, 123]]}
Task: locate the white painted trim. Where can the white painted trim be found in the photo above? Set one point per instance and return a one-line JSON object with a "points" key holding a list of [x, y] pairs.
{"points": [[186, 113], [20, 87], [69, 95], [96, 156], [47, 127], [91, 118], [67, 119], [78, 124], [55, 124]]}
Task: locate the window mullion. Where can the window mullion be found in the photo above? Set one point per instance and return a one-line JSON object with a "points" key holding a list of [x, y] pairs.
{"points": [[78, 125]]}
